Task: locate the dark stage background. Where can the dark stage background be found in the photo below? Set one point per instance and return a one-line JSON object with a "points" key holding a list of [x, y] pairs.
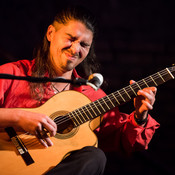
{"points": [[135, 39]]}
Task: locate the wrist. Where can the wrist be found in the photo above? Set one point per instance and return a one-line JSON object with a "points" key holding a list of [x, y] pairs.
{"points": [[140, 121]]}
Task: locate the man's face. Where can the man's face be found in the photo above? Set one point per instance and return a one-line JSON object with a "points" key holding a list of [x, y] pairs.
{"points": [[69, 44]]}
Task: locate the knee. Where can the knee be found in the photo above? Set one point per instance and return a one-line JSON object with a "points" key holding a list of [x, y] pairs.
{"points": [[96, 157]]}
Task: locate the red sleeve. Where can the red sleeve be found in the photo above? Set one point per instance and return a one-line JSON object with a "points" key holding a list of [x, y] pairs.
{"points": [[137, 137], [119, 132], [7, 86], [5, 83]]}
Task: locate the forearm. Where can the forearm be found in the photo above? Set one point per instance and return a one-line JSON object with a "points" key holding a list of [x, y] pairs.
{"points": [[30, 122], [9, 117]]}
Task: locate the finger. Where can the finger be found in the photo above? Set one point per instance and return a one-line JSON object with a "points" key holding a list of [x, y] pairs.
{"points": [[48, 127], [154, 90], [44, 136], [131, 81], [151, 89], [43, 142], [49, 142], [147, 94], [51, 122], [39, 137], [147, 105]]}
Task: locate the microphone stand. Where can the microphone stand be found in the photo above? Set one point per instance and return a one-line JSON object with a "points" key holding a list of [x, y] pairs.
{"points": [[76, 81]]}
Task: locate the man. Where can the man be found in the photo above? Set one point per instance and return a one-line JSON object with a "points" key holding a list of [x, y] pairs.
{"points": [[68, 43]]}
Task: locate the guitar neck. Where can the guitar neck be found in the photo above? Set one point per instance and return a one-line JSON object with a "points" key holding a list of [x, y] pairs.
{"points": [[101, 106]]}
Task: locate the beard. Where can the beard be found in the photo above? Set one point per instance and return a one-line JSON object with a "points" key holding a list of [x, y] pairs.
{"points": [[69, 66]]}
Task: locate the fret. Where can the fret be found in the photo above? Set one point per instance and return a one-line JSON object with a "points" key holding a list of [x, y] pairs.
{"points": [[153, 80], [121, 96], [101, 105], [92, 110], [76, 123], [76, 117], [145, 82], [135, 87], [138, 85], [84, 112], [76, 112], [80, 113], [88, 111], [149, 81], [170, 73], [142, 84], [106, 103], [132, 90], [115, 98], [96, 108], [111, 101], [124, 94], [105, 107], [160, 76], [127, 93], [166, 74]]}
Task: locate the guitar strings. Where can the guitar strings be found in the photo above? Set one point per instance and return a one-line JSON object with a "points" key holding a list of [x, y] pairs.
{"points": [[62, 119], [29, 140], [85, 110]]}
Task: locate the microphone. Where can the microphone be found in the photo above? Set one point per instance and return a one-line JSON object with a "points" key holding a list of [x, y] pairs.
{"points": [[95, 81]]}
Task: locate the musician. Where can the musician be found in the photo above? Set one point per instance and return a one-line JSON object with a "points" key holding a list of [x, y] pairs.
{"points": [[68, 46]]}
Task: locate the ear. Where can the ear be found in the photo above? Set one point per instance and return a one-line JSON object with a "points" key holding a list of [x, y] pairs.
{"points": [[50, 32]]}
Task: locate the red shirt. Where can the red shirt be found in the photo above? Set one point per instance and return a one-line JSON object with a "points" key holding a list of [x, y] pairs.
{"points": [[117, 132]]}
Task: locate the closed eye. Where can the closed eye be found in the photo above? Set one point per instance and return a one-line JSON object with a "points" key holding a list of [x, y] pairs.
{"points": [[83, 44]]}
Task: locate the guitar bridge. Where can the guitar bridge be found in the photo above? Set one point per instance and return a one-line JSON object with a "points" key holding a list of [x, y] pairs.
{"points": [[19, 146]]}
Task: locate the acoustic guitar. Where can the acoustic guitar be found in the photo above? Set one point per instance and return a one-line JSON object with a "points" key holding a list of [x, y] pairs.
{"points": [[76, 117]]}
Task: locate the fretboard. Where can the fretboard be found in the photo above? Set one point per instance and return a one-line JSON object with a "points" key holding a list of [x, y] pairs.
{"points": [[101, 106]]}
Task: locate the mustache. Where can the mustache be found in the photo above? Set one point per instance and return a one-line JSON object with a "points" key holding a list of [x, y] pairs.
{"points": [[71, 53]]}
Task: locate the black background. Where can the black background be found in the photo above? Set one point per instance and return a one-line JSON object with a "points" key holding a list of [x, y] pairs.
{"points": [[135, 39]]}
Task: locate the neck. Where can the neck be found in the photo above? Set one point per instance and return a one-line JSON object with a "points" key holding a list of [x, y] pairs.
{"points": [[66, 75], [60, 86]]}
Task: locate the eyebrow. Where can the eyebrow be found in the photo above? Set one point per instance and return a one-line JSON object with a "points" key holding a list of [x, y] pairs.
{"points": [[71, 35]]}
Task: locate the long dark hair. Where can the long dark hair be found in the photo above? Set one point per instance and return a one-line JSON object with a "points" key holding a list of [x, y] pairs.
{"points": [[41, 54], [89, 65]]}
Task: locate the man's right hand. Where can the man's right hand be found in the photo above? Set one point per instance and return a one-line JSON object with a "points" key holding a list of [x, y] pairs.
{"points": [[34, 123], [37, 124]]}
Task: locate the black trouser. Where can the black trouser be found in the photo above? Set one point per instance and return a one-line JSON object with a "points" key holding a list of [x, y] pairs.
{"points": [[87, 161]]}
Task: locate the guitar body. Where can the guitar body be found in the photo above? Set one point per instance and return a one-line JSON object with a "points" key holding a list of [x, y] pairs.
{"points": [[46, 158]]}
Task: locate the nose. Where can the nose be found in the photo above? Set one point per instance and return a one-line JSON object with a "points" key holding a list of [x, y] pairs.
{"points": [[75, 47]]}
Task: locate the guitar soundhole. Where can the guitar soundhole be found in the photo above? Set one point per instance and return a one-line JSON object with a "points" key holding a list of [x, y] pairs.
{"points": [[64, 124]]}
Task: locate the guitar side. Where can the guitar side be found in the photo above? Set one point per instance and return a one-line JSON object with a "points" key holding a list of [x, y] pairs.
{"points": [[46, 158]]}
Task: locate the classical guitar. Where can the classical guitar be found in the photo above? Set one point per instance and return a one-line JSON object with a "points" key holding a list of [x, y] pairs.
{"points": [[76, 116]]}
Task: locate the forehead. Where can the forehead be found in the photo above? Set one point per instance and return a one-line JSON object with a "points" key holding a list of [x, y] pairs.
{"points": [[74, 27]]}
